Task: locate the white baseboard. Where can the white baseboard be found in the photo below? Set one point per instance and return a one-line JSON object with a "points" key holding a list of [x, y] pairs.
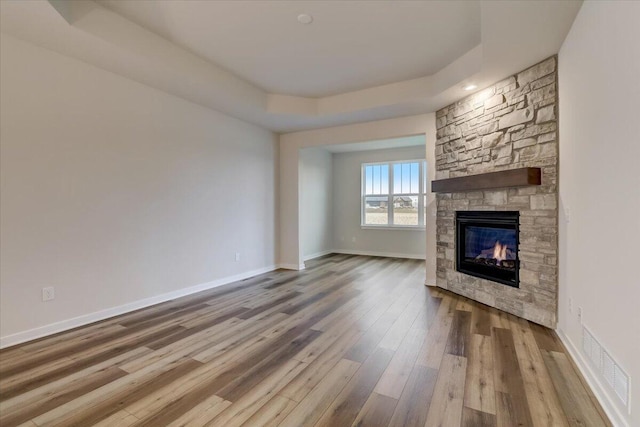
{"points": [[291, 266], [85, 319], [317, 255], [600, 392], [375, 253]]}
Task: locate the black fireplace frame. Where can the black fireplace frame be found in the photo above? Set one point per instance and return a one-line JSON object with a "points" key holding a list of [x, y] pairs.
{"points": [[492, 219]]}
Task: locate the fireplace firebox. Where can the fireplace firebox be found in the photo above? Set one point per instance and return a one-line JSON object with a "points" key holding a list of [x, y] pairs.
{"points": [[487, 245]]}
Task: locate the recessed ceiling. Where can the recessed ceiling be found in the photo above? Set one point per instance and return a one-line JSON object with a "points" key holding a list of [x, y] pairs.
{"points": [[357, 61], [350, 45]]}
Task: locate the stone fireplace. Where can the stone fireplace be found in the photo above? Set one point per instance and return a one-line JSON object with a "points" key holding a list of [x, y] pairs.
{"points": [[510, 125]]}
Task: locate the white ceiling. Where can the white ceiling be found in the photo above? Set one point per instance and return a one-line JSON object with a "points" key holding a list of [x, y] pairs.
{"points": [[358, 61], [350, 45]]}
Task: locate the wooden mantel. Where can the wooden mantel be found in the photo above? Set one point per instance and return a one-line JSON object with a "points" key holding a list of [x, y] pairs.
{"points": [[507, 178]]}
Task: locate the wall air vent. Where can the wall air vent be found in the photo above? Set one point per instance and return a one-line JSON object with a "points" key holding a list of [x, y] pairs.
{"points": [[614, 376], [621, 384]]}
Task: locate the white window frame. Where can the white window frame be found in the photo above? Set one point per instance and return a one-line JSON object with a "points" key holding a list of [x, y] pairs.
{"points": [[422, 170]]}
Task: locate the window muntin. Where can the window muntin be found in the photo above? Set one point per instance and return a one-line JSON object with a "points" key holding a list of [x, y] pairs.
{"points": [[377, 179], [393, 194]]}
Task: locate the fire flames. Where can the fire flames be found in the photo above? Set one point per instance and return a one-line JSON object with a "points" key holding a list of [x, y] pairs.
{"points": [[499, 252]]}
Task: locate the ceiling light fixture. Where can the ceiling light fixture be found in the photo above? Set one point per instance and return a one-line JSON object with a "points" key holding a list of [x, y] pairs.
{"points": [[470, 87], [305, 18]]}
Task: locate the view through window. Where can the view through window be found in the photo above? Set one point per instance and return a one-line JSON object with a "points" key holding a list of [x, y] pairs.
{"points": [[393, 194]]}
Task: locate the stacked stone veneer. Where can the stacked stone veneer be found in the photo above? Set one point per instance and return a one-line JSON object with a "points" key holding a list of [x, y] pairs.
{"points": [[510, 125]]}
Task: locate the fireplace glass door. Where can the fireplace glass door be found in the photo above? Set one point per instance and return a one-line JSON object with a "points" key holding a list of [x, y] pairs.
{"points": [[487, 245]]}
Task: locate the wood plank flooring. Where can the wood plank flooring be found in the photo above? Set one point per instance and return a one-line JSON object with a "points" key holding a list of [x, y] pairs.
{"points": [[350, 341]]}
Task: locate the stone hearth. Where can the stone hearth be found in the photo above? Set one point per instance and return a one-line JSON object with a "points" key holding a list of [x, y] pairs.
{"points": [[509, 125]]}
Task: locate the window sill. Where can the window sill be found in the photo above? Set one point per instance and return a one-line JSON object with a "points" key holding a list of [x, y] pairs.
{"points": [[393, 228]]}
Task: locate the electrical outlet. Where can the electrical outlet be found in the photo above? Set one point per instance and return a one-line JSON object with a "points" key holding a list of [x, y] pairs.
{"points": [[48, 293], [237, 256], [580, 314]]}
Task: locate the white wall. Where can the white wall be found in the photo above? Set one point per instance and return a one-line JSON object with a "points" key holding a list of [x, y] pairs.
{"points": [[316, 198], [347, 208], [599, 89], [290, 144], [114, 192]]}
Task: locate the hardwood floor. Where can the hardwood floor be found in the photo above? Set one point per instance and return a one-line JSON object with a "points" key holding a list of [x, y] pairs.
{"points": [[351, 341]]}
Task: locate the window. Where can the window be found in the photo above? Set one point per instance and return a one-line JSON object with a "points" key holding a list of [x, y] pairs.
{"points": [[393, 194]]}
